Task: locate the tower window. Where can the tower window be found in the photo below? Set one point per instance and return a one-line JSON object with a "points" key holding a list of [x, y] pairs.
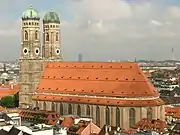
{"points": [[57, 35], [47, 36], [29, 23], [36, 35], [26, 35]]}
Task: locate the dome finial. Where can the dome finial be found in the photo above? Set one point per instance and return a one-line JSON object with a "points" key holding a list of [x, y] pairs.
{"points": [[30, 6]]}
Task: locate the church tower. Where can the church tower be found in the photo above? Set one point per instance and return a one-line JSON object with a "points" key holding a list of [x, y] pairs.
{"points": [[51, 37], [30, 58]]}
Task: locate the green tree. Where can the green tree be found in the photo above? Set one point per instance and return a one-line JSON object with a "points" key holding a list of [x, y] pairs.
{"points": [[8, 102]]}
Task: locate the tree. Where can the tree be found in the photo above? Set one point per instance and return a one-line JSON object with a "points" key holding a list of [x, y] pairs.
{"points": [[8, 102]]}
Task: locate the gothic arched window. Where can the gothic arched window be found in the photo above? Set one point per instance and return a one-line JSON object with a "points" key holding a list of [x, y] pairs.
{"points": [[97, 115], [70, 109], [53, 107], [47, 36], [117, 117], [149, 113], [44, 105], [88, 110], [57, 36], [107, 116], [26, 35], [79, 110], [36, 35], [37, 104], [132, 117], [61, 109]]}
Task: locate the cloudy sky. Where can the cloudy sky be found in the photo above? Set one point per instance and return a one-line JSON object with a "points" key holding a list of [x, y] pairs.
{"points": [[101, 29]]}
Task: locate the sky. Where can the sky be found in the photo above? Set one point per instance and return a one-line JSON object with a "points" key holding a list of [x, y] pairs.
{"points": [[100, 30]]}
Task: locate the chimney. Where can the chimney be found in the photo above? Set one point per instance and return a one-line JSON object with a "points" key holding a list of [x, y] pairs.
{"points": [[118, 129], [106, 129], [109, 128], [12, 86]]}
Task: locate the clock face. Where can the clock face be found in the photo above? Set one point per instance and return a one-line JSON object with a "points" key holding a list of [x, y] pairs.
{"points": [[37, 51], [25, 51], [57, 51]]}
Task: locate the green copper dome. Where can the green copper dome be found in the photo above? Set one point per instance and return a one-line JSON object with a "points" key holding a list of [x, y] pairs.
{"points": [[51, 17], [30, 13]]}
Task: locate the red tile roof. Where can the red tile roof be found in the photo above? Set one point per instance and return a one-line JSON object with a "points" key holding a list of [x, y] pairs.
{"points": [[103, 79], [173, 111], [67, 122], [150, 125], [2, 109], [8, 90], [47, 117]]}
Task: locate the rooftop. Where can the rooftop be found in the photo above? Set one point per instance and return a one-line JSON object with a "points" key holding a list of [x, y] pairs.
{"points": [[100, 82]]}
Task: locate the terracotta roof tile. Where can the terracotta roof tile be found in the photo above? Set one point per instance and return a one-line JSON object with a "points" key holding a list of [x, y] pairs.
{"points": [[98, 100], [67, 122], [8, 91], [172, 111], [47, 117], [150, 125], [117, 79]]}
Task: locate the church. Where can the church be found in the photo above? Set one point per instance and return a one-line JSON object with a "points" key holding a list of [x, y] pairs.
{"points": [[112, 93]]}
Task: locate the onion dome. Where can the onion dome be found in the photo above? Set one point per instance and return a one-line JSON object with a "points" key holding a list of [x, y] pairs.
{"points": [[51, 17], [30, 13]]}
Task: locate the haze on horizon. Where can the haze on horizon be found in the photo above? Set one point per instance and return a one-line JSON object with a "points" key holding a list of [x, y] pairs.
{"points": [[101, 29]]}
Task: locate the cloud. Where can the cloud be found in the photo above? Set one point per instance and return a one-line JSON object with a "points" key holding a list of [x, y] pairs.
{"points": [[102, 29], [121, 30], [174, 11], [154, 22]]}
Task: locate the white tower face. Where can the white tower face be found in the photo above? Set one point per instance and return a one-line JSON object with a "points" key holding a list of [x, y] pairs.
{"points": [[30, 35], [51, 36]]}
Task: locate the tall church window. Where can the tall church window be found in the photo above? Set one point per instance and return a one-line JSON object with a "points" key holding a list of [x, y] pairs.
{"points": [[79, 110], [53, 107], [70, 109], [61, 109], [149, 113], [97, 115], [107, 116], [57, 36], [117, 117], [36, 35], [37, 104], [47, 36], [88, 110], [132, 117], [44, 105], [26, 35]]}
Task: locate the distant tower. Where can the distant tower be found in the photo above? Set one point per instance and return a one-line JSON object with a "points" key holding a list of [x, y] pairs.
{"points": [[80, 58], [51, 36], [5, 68], [172, 51], [30, 56]]}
